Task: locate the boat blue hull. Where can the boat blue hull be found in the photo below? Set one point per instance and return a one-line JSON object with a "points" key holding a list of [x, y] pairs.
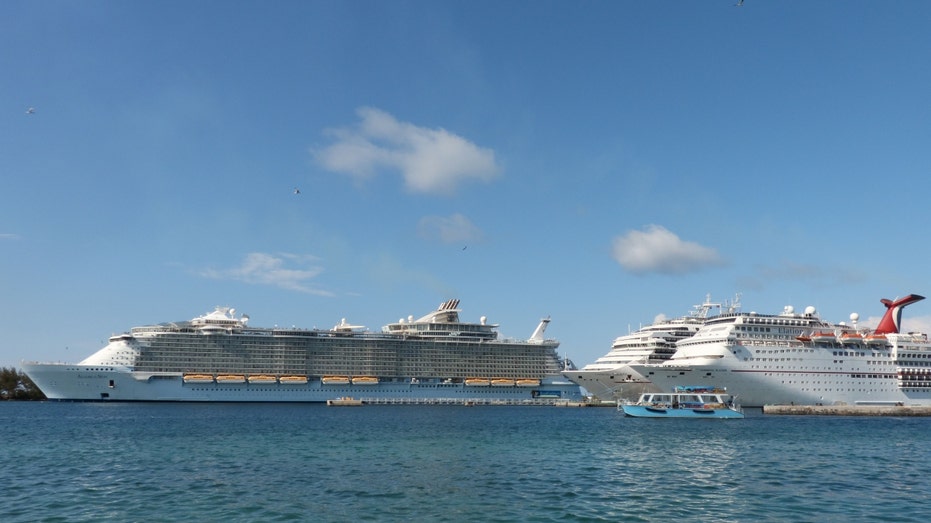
{"points": [[642, 411]]}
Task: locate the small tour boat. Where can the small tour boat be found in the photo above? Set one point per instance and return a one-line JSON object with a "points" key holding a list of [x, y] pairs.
{"points": [[685, 402]]}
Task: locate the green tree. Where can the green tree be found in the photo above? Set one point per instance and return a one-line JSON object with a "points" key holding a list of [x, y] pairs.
{"points": [[15, 385]]}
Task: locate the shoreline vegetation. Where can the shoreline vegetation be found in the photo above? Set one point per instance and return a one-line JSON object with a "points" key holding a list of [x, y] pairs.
{"points": [[15, 385]]}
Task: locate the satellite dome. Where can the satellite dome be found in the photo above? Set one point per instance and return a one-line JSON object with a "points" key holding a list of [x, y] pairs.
{"points": [[809, 310]]}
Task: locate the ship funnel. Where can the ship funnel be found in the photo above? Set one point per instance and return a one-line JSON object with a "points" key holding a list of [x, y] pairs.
{"points": [[537, 336], [892, 320], [448, 305]]}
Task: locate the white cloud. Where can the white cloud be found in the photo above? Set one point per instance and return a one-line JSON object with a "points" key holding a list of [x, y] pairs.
{"points": [[8, 236], [656, 249], [267, 269], [449, 229], [915, 323], [430, 160]]}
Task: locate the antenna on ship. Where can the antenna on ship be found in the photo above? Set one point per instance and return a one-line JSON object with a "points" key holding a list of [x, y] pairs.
{"points": [[734, 305], [701, 311]]}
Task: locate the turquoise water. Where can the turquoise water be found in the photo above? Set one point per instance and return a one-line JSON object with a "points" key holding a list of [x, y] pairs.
{"points": [[283, 462]]}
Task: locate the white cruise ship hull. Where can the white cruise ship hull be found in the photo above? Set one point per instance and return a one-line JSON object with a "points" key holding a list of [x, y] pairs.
{"points": [[64, 382], [825, 380], [756, 388], [618, 384]]}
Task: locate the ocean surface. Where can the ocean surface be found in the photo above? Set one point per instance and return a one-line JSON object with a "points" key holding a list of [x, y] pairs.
{"points": [[306, 462]]}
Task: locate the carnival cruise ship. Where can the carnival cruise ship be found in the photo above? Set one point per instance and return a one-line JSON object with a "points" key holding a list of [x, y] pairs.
{"points": [[793, 358], [219, 357], [610, 377]]}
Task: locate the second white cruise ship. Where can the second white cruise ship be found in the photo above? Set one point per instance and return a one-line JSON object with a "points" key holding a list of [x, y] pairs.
{"points": [[610, 377]]}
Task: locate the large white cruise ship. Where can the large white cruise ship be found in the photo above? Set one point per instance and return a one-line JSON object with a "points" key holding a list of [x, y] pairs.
{"points": [[799, 359], [610, 377], [218, 357]]}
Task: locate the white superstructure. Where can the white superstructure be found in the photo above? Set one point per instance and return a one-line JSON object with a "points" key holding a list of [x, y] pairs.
{"points": [[610, 377], [793, 358]]}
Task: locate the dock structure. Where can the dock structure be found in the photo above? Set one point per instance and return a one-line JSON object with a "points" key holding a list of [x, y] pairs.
{"points": [[344, 402], [468, 402], [848, 410]]}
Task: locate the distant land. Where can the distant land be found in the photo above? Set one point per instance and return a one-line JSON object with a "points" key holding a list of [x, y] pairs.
{"points": [[15, 385]]}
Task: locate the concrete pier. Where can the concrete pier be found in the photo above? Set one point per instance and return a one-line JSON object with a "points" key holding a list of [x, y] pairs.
{"points": [[847, 410], [468, 402]]}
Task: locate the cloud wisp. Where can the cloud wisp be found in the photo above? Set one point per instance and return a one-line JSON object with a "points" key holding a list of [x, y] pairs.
{"points": [[814, 276], [448, 229], [431, 161], [658, 250], [266, 269]]}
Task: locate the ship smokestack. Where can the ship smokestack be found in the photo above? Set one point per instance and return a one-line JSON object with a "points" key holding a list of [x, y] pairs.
{"points": [[892, 320]]}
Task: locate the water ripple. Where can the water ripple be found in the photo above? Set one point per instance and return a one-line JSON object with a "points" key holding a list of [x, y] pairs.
{"points": [[157, 462]]}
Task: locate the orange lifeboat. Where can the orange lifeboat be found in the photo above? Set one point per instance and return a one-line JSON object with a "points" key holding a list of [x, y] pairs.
{"points": [[851, 338]]}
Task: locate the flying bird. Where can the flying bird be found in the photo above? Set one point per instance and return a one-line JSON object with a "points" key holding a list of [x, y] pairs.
{"points": [[297, 191], [31, 110]]}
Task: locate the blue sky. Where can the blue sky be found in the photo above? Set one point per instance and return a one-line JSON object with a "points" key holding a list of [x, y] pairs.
{"points": [[601, 163]]}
